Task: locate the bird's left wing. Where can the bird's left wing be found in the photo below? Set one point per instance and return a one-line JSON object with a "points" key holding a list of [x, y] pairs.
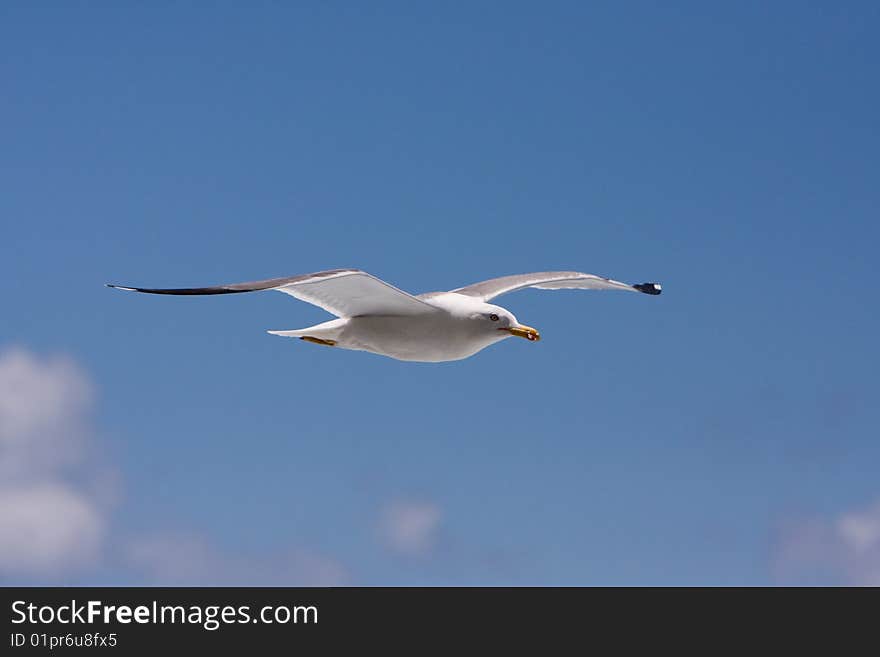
{"points": [[343, 292], [551, 280]]}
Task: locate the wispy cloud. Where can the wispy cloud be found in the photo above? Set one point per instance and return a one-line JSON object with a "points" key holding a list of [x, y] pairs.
{"points": [[190, 560], [49, 523], [843, 549], [410, 527]]}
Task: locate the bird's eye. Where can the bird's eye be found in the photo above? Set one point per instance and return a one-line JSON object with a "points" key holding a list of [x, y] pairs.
{"points": [[493, 317]]}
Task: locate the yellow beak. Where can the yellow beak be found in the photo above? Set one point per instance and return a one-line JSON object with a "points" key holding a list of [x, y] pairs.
{"points": [[526, 332]]}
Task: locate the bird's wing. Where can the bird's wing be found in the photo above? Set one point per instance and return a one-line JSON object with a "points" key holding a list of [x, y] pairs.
{"points": [[343, 292], [550, 280]]}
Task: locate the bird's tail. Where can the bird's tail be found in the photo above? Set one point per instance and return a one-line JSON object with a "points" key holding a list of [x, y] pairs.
{"points": [[329, 331]]}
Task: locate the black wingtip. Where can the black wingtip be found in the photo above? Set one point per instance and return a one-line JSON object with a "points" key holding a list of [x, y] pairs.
{"points": [[649, 288]]}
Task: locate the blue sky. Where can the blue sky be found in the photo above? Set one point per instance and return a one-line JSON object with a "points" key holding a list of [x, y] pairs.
{"points": [[723, 433]]}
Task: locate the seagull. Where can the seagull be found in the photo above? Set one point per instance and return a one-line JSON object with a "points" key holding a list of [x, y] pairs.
{"points": [[374, 316]]}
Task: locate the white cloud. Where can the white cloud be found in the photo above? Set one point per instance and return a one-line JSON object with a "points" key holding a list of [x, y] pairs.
{"points": [[410, 527], [860, 530], [189, 560], [43, 407], [55, 500], [47, 529], [48, 525], [844, 549]]}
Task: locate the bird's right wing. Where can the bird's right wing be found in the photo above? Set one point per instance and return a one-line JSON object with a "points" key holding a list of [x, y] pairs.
{"points": [[343, 292], [550, 280]]}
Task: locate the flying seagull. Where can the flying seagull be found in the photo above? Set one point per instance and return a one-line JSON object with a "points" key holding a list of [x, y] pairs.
{"points": [[375, 316]]}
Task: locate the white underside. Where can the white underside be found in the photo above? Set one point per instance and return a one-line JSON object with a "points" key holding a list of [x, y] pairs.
{"points": [[431, 337], [404, 338]]}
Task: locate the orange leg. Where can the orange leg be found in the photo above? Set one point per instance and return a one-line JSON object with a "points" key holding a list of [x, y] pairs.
{"points": [[328, 343]]}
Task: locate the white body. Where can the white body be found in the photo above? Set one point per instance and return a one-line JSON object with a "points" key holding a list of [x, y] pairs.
{"points": [[452, 333]]}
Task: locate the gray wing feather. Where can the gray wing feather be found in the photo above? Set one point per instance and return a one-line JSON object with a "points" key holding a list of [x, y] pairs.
{"points": [[551, 280], [235, 288], [343, 292]]}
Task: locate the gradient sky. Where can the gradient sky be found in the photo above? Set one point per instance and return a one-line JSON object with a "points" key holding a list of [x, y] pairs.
{"points": [[723, 433]]}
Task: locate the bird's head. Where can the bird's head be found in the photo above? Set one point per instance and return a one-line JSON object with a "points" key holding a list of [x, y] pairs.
{"points": [[496, 318]]}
